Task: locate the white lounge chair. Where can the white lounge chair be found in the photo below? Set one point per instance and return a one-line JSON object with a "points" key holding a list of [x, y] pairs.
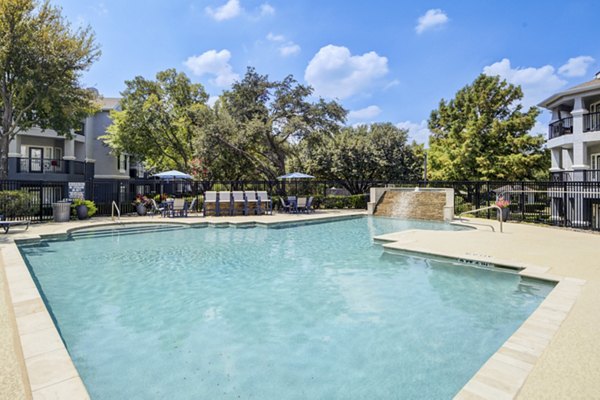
{"points": [[238, 198], [264, 203], [225, 202], [251, 202], [211, 199]]}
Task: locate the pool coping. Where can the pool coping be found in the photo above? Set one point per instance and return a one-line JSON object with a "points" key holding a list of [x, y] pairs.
{"points": [[50, 372]]}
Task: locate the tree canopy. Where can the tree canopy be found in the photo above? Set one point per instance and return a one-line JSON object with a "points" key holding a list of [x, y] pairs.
{"points": [[483, 134], [260, 121], [41, 60], [158, 120], [357, 155]]}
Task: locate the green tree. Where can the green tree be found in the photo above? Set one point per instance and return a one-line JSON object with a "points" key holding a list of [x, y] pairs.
{"points": [[482, 134], [158, 120], [358, 155], [261, 121], [41, 61]]}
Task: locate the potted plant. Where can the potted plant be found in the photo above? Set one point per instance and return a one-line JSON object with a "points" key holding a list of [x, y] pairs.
{"points": [[503, 204], [142, 204], [83, 208]]}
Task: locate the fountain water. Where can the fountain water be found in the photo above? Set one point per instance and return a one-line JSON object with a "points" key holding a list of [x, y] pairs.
{"points": [[409, 203]]}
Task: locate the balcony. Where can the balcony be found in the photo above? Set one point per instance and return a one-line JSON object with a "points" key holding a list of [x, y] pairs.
{"points": [[561, 127], [45, 166], [587, 175], [591, 122]]}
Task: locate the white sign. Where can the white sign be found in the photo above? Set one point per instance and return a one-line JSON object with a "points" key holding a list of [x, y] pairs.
{"points": [[76, 190]]}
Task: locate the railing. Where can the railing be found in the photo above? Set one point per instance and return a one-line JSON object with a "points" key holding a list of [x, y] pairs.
{"points": [[561, 127], [114, 207], [591, 175], [591, 122], [484, 209], [561, 176], [49, 166]]}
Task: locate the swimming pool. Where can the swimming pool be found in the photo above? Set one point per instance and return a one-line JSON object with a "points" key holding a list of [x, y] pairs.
{"points": [[310, 312]]}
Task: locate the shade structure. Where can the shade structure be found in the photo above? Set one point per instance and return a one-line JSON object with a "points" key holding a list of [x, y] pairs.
{"points": [[295, 175], [172, 175]]}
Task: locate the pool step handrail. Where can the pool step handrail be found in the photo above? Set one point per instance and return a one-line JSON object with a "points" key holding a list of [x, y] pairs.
{"points": [[114, 207], [498, 209]]}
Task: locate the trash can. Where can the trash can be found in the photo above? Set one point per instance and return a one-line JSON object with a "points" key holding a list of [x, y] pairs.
{"points": [[61, 211]]}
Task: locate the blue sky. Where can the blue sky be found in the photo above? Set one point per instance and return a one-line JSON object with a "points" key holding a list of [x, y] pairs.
{"points": [[383, 60]]}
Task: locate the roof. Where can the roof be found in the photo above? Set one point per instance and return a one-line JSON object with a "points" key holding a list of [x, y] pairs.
{"points": [[109, 103], [581, 88]]}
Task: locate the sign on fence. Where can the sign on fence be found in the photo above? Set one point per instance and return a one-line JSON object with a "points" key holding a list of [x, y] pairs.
{"points": [[76, 190]]}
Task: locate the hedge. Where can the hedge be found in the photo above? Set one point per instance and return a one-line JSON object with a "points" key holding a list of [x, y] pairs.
{"points": [[17, 203]]}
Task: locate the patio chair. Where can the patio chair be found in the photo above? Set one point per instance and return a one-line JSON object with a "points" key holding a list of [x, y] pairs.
{"points": [[156, 208], [300, 204], [238, 202], [292, 202], [284, 205], [211, 199], [225, 202], [251, 202], [192, 206], [308, 208], [265, 204], [179, 207], [7, 224]]}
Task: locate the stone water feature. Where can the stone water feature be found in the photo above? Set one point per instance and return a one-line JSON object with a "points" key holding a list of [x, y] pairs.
{"points": [[435, 204]]}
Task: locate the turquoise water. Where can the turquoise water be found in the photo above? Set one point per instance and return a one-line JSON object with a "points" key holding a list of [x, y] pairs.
{"points": [[309, 312]]}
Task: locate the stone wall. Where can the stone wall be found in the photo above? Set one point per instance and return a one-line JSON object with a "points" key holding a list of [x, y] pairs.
{"points": [[410, 204]]}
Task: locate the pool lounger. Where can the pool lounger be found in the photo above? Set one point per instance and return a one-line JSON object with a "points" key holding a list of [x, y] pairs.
{"points": [[7, 224]]}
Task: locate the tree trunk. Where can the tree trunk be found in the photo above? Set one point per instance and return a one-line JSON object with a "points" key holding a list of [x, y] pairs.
{"points": [[4, 140]]}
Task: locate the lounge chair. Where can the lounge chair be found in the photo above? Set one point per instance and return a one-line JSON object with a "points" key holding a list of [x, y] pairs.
{"points": [[238, 201], [6, 225], [225, 202], [265, 205], [251, 202], [211, 199]]}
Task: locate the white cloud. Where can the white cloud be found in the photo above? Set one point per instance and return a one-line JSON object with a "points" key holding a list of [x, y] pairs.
{"points": [[229, 10], [576, 66], [419, 132], [335, 72], [289, 49], [431, 19], [214, 63], [100, 9], [537, 83], [266, 9], [275, 38], [364, 113]]}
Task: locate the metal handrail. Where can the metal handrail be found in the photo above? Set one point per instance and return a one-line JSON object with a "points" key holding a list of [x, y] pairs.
{"points": [[483, 209], [114, 207]]}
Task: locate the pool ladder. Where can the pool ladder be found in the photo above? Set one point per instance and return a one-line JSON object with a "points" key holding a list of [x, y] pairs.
{"points": [[114, 207], [498, 209]]}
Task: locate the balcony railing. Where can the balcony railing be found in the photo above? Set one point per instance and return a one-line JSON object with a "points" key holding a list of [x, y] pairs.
{"points": [[561, 127], [591, 122], [49, 166], [588, 175]]}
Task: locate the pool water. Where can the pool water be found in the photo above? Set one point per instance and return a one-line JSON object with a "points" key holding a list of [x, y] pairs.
{"points": [[310, 312]]}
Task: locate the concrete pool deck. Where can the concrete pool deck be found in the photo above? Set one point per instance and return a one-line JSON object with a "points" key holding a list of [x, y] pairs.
{"points": [[561, 361]]}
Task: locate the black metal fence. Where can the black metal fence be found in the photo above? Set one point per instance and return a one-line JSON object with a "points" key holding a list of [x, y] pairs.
{"points": [[561, 203]]}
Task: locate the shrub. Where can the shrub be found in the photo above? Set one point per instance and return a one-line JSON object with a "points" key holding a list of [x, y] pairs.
{"points": [[91, 206], [357, 201], [17, 203]]}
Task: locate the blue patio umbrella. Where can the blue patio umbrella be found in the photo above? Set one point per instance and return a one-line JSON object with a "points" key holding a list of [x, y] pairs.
{"points": [[173, 174], [295, 175]]}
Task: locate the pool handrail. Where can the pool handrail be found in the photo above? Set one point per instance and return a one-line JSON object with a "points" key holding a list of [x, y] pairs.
{"points": [[114, 207], [483, 209]]}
